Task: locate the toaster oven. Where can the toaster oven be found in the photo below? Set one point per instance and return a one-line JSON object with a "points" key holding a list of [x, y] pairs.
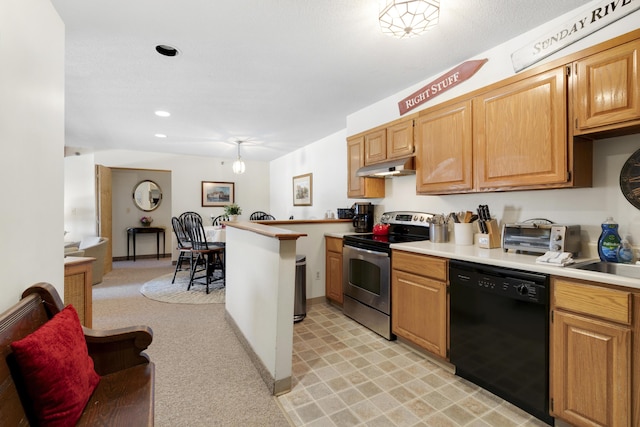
{"points": [[541, 238]]}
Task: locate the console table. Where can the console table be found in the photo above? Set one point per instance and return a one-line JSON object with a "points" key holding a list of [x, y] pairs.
{"points": [[134, 231]]}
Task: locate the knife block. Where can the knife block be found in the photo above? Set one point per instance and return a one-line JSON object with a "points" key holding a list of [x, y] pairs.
{"points": [[491, 239]]}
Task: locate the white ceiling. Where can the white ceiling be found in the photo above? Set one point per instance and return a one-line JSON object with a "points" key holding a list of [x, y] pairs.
{"points": [[278, 73]]}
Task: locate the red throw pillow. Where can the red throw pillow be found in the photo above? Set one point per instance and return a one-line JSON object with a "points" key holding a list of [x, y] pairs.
{"points": [[57, 369]]}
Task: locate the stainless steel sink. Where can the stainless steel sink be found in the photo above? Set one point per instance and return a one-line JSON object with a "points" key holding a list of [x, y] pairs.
{"points": [[626, 270]]}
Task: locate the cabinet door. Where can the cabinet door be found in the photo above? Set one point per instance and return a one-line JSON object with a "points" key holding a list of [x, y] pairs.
{"points": [[78, 289], [358, 186], [333, 269], [419, 311], [590, 371], [400, 140], [355, 160], [521, 137], [444, 149], [607, 90], [375, 146]]}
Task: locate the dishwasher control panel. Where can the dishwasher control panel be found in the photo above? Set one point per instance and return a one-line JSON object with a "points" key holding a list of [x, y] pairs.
{"points": [[514, 284]]}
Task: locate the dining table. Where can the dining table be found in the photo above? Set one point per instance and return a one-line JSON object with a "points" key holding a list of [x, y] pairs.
{"points": [[215, 233]]}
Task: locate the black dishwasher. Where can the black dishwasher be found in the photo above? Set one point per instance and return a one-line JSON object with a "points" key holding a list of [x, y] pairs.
{"points": [[499, 333]]}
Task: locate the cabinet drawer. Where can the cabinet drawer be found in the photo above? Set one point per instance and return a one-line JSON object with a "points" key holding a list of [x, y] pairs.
{"points": [[605, 303], [423, 265], [334, 244]]}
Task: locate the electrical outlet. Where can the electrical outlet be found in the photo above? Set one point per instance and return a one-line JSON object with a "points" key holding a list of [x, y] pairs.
{"points": [[317, 275]]}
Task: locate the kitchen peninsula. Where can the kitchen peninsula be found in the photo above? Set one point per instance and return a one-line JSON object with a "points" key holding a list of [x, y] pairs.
{"points": [[260, 285]]}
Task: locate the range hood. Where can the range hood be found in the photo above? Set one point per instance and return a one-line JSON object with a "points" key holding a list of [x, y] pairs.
{"points": [[397, 167]]}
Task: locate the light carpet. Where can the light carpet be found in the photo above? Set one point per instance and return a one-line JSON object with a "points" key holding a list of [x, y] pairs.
{"points": [[161, 289]]}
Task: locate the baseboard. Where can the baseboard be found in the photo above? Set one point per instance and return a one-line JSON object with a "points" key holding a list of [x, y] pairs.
{"points": [[316, 300], [152, 256], [275, 387]]}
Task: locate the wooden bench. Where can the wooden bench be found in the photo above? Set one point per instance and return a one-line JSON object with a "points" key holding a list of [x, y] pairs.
{"points": [[125, 394]]}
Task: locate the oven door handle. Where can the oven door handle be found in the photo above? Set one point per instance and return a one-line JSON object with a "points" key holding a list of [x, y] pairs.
{"points": [[369, 252]]}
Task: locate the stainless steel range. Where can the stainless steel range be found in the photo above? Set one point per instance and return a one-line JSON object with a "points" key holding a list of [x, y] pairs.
{"points": [[367, 268]]}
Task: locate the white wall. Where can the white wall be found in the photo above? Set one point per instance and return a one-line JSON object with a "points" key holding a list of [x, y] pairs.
{"points": [[184, 192], [260, 298], [313, 247], [187, 172], [32, 137], [126, 214], [79, 197], [326, 159], [586, 207]]}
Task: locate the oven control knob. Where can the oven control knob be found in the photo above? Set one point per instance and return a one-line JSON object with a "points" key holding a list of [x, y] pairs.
{"points": [[523, 289]]}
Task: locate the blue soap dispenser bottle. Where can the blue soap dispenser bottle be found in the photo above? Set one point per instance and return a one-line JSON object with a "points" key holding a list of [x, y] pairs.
{"points": [[609, 241]]}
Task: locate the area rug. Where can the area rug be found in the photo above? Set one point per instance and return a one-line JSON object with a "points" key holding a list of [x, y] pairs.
{"points": [[161, 289]]}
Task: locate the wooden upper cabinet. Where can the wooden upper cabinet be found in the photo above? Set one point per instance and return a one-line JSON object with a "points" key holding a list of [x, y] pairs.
{"points": [[607, 89], [375, 146], [355, 160], [520, 131], [359, 187], [444, 149], [400, 140], [394, 141]]}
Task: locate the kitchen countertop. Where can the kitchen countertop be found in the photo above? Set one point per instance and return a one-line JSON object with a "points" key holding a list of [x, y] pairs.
{"points": [[498, 257], [300, 221]]}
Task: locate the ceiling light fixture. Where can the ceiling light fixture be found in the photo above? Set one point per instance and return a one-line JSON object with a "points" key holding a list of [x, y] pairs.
{"points": [[409, 18], [160, 135], [238, 166], [161, 113]]}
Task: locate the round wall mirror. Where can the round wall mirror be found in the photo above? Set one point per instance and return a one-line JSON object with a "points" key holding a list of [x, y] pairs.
{"points": [[147, 195]]}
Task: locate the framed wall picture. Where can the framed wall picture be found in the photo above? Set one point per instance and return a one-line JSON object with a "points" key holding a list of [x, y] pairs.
{"points": [[303, 190], [217, 193]]}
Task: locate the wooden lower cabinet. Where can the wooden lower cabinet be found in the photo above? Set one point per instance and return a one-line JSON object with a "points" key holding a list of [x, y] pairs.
{"points": [[333, 269], [77, 287], [419, 301], [591, 358]]}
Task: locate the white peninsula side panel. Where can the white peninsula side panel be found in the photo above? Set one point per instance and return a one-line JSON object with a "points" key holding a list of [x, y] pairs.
{"points": [[260, 289]]}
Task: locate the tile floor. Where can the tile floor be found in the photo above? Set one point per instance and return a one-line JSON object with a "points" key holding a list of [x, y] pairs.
{"points": [[346, 375]]}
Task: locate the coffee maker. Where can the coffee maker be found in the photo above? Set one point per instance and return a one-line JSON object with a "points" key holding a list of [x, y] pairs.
{"points": [[363, 217]]}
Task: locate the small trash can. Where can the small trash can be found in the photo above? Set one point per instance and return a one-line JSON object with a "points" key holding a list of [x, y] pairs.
{"points": [[300, 298]]}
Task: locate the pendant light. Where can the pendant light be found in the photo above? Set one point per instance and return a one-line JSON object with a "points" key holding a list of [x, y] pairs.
{"points": [[238, 166]]}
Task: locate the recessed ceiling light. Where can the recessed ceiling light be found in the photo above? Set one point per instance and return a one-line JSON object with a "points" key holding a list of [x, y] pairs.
{"points": [[161, 113], [166, 50], [160, 135]]}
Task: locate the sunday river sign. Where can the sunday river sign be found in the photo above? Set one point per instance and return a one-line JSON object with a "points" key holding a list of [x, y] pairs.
{"points": [[583, 24], [443, 83]]}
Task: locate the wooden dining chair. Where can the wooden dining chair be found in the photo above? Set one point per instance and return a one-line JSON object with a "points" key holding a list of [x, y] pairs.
{"points": [[218, 220], [260, 216], [184, 247], [211, 252]]}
